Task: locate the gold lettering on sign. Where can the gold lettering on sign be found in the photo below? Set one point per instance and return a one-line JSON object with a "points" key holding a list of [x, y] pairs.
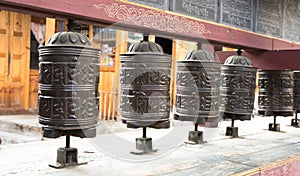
{"points": [[154, 19]]}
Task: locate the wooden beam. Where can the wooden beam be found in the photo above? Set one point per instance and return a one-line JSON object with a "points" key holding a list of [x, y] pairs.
{"points": [[138, 18], [269, 60]]}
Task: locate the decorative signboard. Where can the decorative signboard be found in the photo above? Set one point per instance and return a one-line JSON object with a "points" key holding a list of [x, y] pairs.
{"points": [[161, 4], [204, 9], [237, 13], [269, 18], [291, 25]]}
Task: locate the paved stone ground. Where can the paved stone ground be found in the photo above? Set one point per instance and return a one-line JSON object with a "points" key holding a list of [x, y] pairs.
{"points": [[108, 153]]}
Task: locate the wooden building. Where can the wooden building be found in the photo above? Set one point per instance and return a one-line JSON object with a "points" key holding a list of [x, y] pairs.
{"points": [[268, 32]]}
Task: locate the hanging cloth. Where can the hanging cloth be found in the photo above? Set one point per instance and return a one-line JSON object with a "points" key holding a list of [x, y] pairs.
{"points": [[38, 31]]}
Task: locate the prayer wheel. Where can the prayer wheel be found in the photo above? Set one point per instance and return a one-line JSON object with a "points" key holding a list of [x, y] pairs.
{"points": [[68, 86]]}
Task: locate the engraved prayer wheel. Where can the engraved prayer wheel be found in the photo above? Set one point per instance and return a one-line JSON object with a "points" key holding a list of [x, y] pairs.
{"points": [[238, 79], [276, 92], [145, 86], [297, 91], [197, 88], [68, 86]]}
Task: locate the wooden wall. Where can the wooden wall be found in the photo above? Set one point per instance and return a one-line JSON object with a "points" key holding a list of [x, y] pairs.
{"points": [[33, 90], [109, 82]]}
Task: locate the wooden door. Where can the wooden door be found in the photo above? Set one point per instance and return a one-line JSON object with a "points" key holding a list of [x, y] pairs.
{"points": [[14, 59], [19, 43], [4, 27]]}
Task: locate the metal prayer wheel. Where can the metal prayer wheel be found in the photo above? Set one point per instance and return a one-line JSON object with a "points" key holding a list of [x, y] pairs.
{"points": [[145, 86], [197, 88], [297, 91], [276, 92], [295, 121], [238, 79], [68, 86]]}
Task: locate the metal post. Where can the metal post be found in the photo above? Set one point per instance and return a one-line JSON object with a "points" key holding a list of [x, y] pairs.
{"points": [[144, 132], [295, 121], [146, 37], [67, 141], [232, 123], [199, 46], [196, 127], [274, 126], [239, 52]]}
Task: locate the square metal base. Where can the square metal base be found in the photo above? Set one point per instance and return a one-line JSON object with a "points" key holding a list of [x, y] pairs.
{"points": [[232, 131], [295, 123], [82, 133], [66, 157], [274, 127], [143, 146], [195, 137]]}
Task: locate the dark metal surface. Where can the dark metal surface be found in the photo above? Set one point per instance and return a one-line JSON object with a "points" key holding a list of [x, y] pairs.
{"points": [[295, 121], [275, 92], [68, 85], [197, 88], [145, 86], [237, 88], [297, 91]]}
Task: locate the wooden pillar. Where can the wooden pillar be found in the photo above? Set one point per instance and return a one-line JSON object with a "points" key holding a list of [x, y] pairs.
{"points": [[50, 28], [91, 32], [180, 49], [152, 38], [121, 47], [27, 22]]}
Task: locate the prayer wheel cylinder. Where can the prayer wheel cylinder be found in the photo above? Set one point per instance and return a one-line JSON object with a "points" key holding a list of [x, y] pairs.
{"points": [[276, 92], [145, 86], [68, 86], [197, 88], [297, 91], [238, 79]]}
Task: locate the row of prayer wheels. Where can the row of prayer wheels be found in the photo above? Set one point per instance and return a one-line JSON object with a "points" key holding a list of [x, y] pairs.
{"points": [[205, 90]]}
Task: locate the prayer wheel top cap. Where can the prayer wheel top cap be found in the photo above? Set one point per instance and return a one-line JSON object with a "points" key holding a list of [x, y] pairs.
{"points": [[238, 60], [145, 47], [200, 55], [69, 39]]}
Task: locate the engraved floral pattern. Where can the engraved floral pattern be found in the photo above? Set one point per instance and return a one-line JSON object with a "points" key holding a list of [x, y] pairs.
{"points": [[151, 18]]}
